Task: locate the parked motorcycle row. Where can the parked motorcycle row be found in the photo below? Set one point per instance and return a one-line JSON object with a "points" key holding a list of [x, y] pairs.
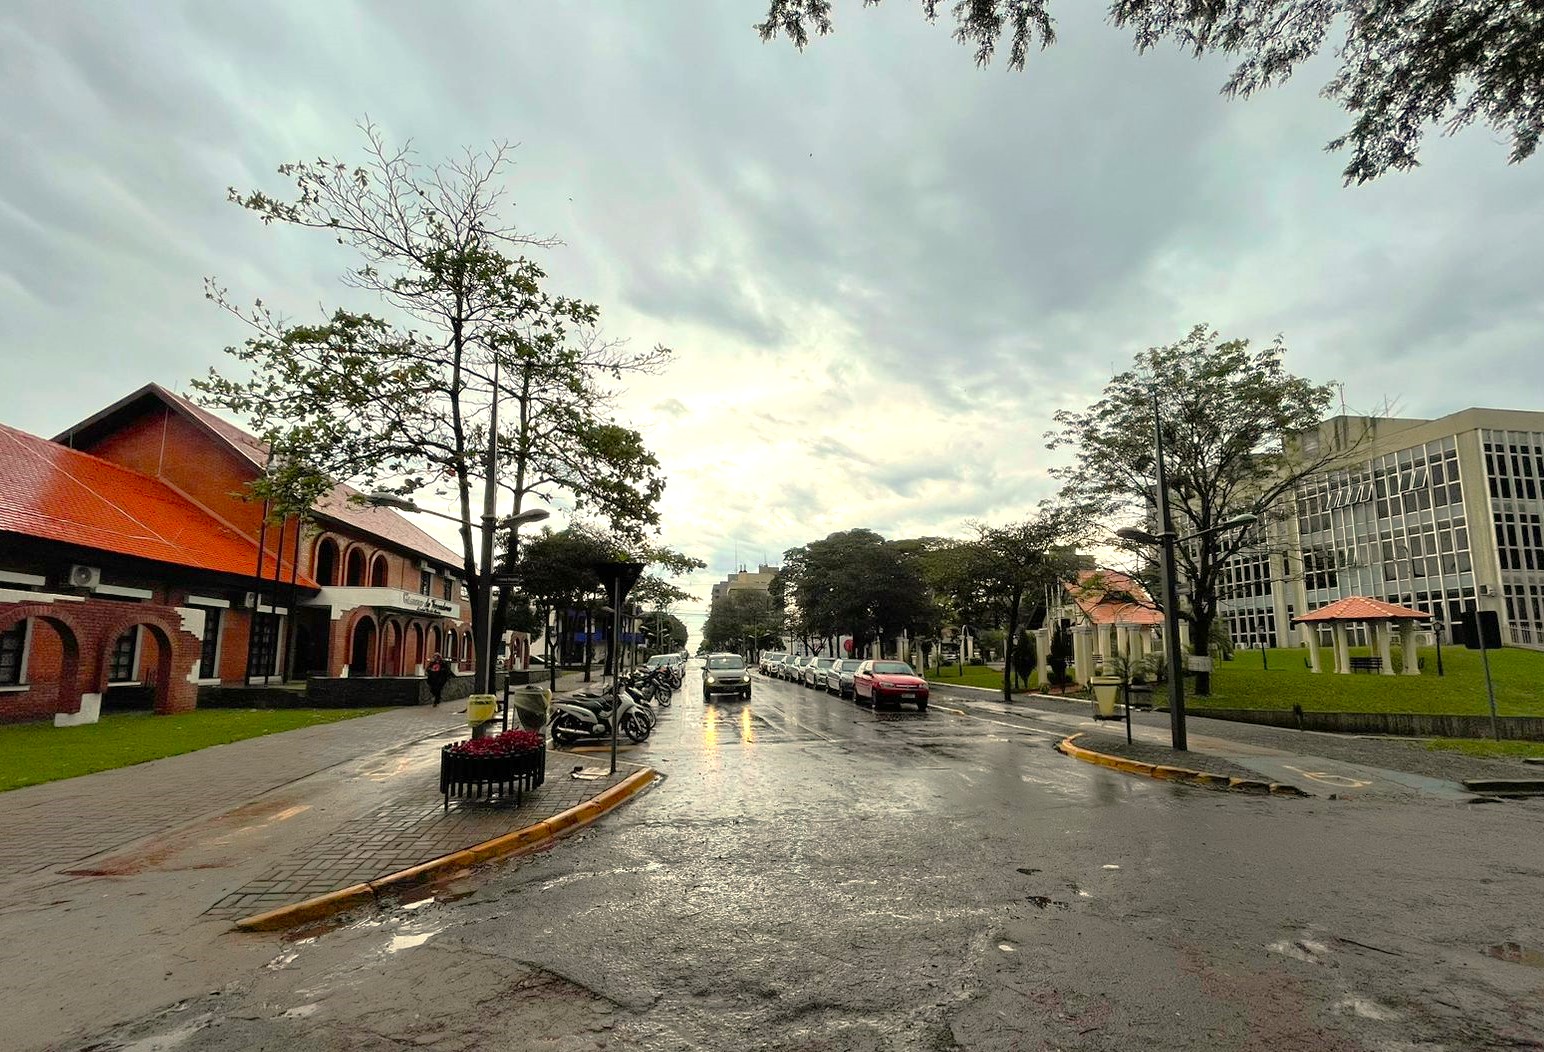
{"points": [[588, 715]]}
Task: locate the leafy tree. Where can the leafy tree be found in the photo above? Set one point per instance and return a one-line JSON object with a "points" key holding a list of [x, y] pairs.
{"points": [[1227, 416], [1405, 65], [854, 583], [1060, 655], [1024, 659], [403, 400], [667, 632], [1019, 559], [739, 617]]}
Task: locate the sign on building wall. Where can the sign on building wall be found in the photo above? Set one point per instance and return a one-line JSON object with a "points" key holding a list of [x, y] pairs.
{"points": [[428, 604]]}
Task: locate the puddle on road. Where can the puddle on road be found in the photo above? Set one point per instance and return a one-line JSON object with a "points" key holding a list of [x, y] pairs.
{"points": [[1366, 1009], [1516, 953], [1028, 871], [1007, 947], [1306, 950], [1046, 902], [167, 1041], [301, 1011], [407, 942]]}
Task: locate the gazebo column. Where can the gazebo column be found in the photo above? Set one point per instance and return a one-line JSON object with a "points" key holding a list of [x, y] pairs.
{"points": [[1043, 656], [1083, 652], [1311, 637], [1184, 636], [1342, 649], [1384, 630], [1407, 641]]}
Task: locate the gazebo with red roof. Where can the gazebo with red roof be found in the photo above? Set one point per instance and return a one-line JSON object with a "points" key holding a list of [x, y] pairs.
{"points": [[1378, 616]]}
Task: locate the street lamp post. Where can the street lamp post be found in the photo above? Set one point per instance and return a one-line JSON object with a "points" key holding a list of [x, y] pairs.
{"points": [[1166, 540]]}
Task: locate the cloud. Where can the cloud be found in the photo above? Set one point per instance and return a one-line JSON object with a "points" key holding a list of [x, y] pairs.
{"points": [[881, 269]]}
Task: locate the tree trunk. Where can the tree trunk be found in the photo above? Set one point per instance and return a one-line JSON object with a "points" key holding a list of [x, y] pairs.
{"points": [[1201, 646], [1013, 631], [589, 649], [552, 665]]}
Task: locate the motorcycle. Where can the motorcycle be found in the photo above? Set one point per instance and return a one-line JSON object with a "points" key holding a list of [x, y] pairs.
{"points": [[581, 717]]}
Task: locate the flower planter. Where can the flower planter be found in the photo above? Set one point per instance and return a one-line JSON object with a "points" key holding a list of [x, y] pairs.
{"points": [[1106, 693], [485, 777]]}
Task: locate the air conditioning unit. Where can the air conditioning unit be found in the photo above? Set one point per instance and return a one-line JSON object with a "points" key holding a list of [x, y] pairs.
{"points": [[1487, 589], [249, 601], [85, 577]]}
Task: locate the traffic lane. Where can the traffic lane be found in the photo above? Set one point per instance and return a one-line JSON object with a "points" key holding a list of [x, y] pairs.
{"points": [[913, 882]]}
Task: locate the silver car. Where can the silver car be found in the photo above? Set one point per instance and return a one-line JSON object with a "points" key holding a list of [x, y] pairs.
{"points": [[793, 667], [725, 674], [839, 677], [815, 672]]}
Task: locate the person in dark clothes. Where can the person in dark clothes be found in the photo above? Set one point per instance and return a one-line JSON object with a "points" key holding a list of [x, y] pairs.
{"points": [[437, 673]]}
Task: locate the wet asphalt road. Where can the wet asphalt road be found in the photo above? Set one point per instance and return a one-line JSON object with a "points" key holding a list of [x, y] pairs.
{"points": [[812, 875]]}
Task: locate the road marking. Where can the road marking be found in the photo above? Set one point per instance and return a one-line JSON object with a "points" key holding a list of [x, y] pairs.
{"points": [[1327, 778]]}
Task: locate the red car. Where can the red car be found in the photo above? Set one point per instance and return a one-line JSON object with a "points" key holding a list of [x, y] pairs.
{"points": [[880, 683]]}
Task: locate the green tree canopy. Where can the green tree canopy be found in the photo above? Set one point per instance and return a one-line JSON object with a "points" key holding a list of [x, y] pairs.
{"points": [[1228, 416], [855, 583], [403, 399], [1405, 65]]}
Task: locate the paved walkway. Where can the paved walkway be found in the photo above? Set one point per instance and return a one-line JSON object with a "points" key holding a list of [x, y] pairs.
{"points": [[1345, 765]]}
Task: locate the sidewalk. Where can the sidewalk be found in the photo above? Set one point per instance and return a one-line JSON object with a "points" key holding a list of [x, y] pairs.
{"points": [[138, 873], [1318, 763]]}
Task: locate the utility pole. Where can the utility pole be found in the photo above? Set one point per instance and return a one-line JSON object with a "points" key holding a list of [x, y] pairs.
{"points": [[1170, 594]]}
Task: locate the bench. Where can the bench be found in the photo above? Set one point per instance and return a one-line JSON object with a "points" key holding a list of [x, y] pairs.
{"points": [[1366, 664]]}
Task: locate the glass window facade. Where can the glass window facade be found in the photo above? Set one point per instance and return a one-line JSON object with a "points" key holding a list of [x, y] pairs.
{"points": [[209, 653], [1393, 527], [13, 645], [1514, 466]]}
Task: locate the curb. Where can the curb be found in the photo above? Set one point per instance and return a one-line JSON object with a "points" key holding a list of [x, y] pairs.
{"points": [[1183, 775], [520, 842]]}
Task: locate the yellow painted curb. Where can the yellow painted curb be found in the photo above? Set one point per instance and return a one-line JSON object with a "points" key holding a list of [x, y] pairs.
{"points": [[1167, 773], [519, 842], [309, 910]]}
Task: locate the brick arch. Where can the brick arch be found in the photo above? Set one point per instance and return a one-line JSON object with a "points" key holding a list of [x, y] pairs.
{"points": [[380, 571], [70, 633], [393, 640], [340, 549], [371, 648], [413, 648], [176, 657], [363, 553]]}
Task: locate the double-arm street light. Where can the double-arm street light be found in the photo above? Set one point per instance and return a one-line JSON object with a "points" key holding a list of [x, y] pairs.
{"points": [[490, 523]]}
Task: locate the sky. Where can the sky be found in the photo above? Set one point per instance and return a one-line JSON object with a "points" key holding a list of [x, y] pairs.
{"points": [[880, 269]]}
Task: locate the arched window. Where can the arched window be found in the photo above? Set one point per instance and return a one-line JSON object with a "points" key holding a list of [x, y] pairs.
{"points": [[354, 572], [450, 646], [326, 571], [378, 572], [466, 654]]}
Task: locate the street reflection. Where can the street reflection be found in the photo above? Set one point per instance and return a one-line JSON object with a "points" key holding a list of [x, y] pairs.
{"points": [[747, 729], [710, 727]]}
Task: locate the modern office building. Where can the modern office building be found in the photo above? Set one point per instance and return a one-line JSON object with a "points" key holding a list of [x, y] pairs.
{"points": [[1433, 514]]}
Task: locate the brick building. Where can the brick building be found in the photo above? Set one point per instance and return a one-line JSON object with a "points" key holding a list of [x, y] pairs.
{"points": [[130, 571]]}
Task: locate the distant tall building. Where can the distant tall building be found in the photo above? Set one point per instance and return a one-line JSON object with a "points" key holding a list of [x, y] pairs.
{"points": [[1432, 514], [759, 580]]}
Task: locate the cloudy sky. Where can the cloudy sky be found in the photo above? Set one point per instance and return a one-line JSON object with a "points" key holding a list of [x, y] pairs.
{"points": [[880, 268]]}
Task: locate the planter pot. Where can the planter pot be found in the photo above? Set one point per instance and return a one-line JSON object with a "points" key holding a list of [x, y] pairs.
{"points": [[484, 777], [1106, 694], [532, 705]]}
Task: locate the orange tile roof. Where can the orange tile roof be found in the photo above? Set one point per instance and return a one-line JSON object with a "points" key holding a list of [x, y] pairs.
{"points": [[1102, 608], [59, 494], [379, 522], [1362, 608], [382, 523]]}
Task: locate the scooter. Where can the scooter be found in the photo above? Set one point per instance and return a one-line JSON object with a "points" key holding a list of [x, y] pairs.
{"points": [[576, 718]]}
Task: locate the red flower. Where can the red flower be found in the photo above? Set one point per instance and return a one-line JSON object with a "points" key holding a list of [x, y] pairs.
{"points": [[510, 743]]}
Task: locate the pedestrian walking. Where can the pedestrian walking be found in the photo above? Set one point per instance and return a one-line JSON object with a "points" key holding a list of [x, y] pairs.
{"points": [[437, 673]]}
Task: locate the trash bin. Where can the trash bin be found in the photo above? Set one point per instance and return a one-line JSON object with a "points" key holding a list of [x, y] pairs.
{"points": [[480, 708], [532, 705], [1106, 693]]}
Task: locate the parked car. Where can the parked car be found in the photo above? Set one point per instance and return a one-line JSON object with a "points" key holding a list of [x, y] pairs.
{"points": [[815, 672], [793, 670], [839, 677], [881, 683], [768, 659], [725, 674]]}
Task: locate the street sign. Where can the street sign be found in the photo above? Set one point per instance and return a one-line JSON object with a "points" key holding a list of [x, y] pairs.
{"points": [[505, 578], [1199, 663]]}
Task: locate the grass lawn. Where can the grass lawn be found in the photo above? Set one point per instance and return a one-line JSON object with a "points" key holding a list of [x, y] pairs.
{"points": [[1518, 675], [41, 752], [975, 676], [1485, 747]]}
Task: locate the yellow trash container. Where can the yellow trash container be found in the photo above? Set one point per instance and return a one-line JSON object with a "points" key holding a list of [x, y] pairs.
{"points": [[480, 708]]}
